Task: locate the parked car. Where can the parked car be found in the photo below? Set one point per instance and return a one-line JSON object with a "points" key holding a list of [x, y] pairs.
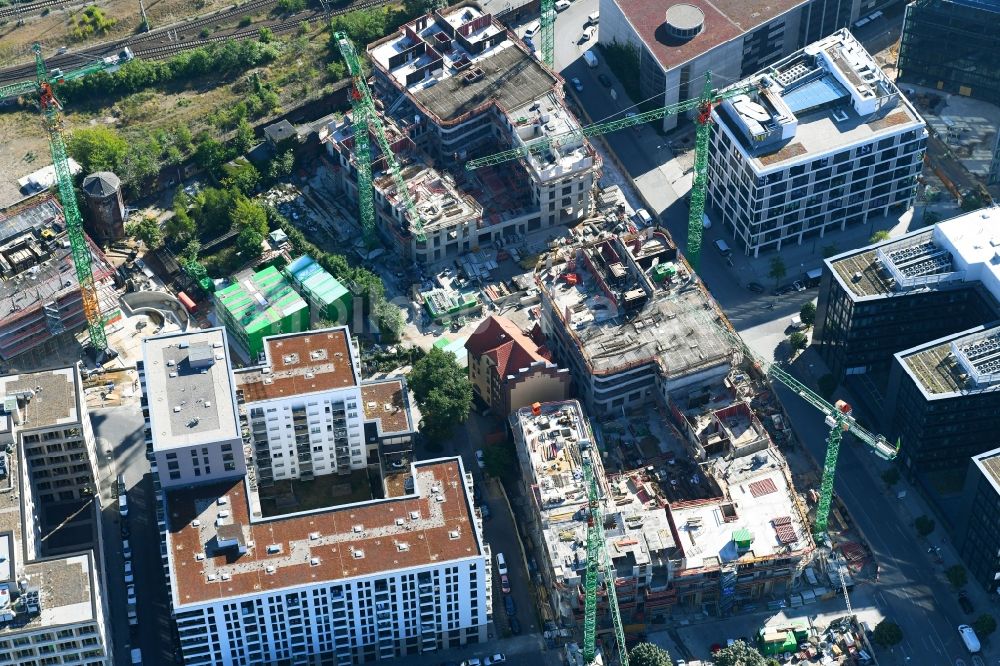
{"points": [[497, 658], [576, 84], [586, 35], [480, 459], [475, 661], [509, 606], [604, 79], [133, 619], [125, 530], [562, 4], [129, 578], [505, 584], [126, 549], [965, 602], [755, 287], [130, 591]]}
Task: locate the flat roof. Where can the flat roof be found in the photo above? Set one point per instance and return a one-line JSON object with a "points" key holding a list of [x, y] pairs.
{"points": [[547, 117], [459, 59], [54, 400], [256, 300], [962, 363], [989, 464], [758, 497], [430, 527], [667, 325], [299, 364], [963, 249], [827, 96], [190, 387], [36, 213], [724, 21], [64, 584], [386, 401]]}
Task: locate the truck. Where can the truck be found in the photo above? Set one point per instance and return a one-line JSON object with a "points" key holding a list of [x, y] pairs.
{"points": [[590, 58], [969, 637]]}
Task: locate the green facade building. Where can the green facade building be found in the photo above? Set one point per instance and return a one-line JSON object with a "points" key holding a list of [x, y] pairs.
{"points": [[327, 297], [259, 305]]}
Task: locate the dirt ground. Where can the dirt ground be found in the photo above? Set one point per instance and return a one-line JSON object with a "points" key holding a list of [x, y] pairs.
{"points": [[53, 29]]}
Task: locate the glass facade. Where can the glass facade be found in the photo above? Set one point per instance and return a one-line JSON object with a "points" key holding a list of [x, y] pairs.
{"points": [[953, 46]]}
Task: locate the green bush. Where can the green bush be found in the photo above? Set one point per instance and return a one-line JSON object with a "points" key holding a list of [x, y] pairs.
{"points": [[798, 340], [92, 22]]}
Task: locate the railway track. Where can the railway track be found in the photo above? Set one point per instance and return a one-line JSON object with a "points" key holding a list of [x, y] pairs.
{"points": [[19, 9], [157, 43]]}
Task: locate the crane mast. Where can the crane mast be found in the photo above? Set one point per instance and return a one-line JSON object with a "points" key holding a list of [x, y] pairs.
{"points": [[598, 561], [366, 119], [548, 29]]}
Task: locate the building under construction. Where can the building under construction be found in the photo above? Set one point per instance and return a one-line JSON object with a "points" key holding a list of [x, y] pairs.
{"points": [[457, 84], [629, 320], [39, 292], [696, 526]]}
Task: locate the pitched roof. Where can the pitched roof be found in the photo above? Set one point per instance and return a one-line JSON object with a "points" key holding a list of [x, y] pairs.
{"points": [[101, 184], [501, 340]]}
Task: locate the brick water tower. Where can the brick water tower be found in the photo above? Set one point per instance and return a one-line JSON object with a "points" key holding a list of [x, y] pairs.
{"points": [[103, 194]]}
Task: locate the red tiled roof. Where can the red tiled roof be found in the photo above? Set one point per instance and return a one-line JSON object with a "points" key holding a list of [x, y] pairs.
{"points": [[725, 20], [442, 532], [501, 340]]}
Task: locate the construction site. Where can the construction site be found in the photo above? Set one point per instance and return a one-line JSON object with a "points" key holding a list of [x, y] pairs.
{"points": [[39, 291], [448, 86]]}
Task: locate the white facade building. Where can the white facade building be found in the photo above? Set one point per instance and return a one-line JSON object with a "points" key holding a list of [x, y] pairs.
{"points": [[826, 141], [52, 609]]}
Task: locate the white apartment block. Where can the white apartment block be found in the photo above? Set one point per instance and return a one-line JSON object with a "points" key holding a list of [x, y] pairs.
{"points": [[457, 84], [51, 607], [387, 578], [826, 141], [190, 408]]}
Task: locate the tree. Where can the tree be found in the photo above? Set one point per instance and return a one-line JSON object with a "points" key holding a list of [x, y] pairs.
{"points": [[738, 654], [798, 340], [180, 228], [879, 236], [891, 476], [247, 214], [830, 250], [807, 313], [924, 525], [244, 139], [147, 230], [971, 201], [211, 211], [827, 384], [887, 633], [242, 178], [985, 625], [97, 149], [646, 654], [209, 154], [265, 35], [281, 165], [443, 392], [957, 576], [931, 217], [390, 320], [501, 461], [778, 270], [415, 8], [248, 243]]}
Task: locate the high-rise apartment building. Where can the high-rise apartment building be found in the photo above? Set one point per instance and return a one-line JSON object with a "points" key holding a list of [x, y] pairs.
{"points": [[52, 608], [977, 535], [404, 572], [824, 142]]}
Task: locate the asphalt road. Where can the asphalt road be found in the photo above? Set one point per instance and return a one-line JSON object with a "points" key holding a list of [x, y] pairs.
{"points": [[121, 429]]}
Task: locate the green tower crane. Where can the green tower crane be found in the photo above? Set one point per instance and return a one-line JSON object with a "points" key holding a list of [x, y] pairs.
{"points": [[838, 417], [548, 28], [51, 108], [704, 104], [366, 119], [598, 561]]}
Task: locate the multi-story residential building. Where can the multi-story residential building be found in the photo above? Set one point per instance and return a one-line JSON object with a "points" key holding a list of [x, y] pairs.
{"points": [[260, 304], [404, 574], [457, 84], [39, 290], [977, 535], [389, 424], [900, 293], [942, 401], [190, 407], [824, 142], [629, 321], [952, 45], [52, 608], [508, 371], [674, 45]]}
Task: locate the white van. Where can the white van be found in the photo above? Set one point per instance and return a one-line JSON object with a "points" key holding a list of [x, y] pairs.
{"points": [[532, 28], [723, 248], [501, 565], [123, 505], [643, 217], [592, 19], [136, 656]]}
